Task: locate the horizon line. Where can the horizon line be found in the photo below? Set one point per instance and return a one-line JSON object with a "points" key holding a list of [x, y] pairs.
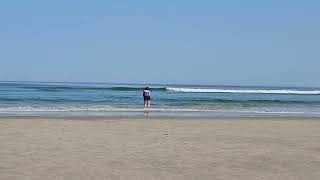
{"points": [[168, 84]]}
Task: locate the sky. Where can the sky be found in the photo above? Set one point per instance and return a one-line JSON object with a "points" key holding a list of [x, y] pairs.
{"points": [[231, 42]]}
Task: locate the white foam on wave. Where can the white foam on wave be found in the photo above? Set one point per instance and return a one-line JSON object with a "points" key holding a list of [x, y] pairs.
{"points": [[246, 91], [95, 109], [104, 110]]}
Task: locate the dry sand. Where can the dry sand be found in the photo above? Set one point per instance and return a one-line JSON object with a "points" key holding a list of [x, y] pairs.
{"points": [[44, 149]]}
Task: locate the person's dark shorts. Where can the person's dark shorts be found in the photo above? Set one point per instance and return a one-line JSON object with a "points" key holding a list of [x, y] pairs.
{"points": [[146, 98]]}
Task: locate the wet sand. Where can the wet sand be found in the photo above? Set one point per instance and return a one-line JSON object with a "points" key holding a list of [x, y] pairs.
{"points": [[89, 148]]}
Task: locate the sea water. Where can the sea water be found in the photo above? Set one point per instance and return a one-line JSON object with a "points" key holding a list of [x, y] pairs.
{"points": [[103, 99]]}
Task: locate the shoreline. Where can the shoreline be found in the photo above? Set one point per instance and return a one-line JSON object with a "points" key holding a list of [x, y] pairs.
{"points": [[154, 117]]}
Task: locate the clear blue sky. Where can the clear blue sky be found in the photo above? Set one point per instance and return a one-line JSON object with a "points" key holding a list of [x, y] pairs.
{"points": [[248, 42]]}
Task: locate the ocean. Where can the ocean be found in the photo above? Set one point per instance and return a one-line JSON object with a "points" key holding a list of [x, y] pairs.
{"points": [[104, 99]]}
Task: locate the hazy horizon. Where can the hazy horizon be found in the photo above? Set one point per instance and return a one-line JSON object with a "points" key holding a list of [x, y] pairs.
{"points": [[155, 84]]}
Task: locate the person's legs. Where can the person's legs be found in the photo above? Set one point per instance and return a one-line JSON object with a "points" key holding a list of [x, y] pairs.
{"points": [[149, 103], [145, 103]]}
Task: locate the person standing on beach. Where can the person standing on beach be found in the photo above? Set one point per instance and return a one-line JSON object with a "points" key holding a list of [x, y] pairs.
{"points": [[147, 97]]}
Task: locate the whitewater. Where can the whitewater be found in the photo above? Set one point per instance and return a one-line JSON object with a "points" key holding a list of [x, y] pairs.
{"points": [[247, 91]]}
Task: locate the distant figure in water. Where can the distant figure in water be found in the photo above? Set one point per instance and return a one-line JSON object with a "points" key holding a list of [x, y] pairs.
{"points": [[146, 97]]}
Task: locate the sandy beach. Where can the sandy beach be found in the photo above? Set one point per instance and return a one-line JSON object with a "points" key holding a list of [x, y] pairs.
{"points": [[89, 148]]}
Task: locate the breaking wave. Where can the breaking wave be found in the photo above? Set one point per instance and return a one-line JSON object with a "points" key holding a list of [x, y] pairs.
{"points": [[247, 91]]}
